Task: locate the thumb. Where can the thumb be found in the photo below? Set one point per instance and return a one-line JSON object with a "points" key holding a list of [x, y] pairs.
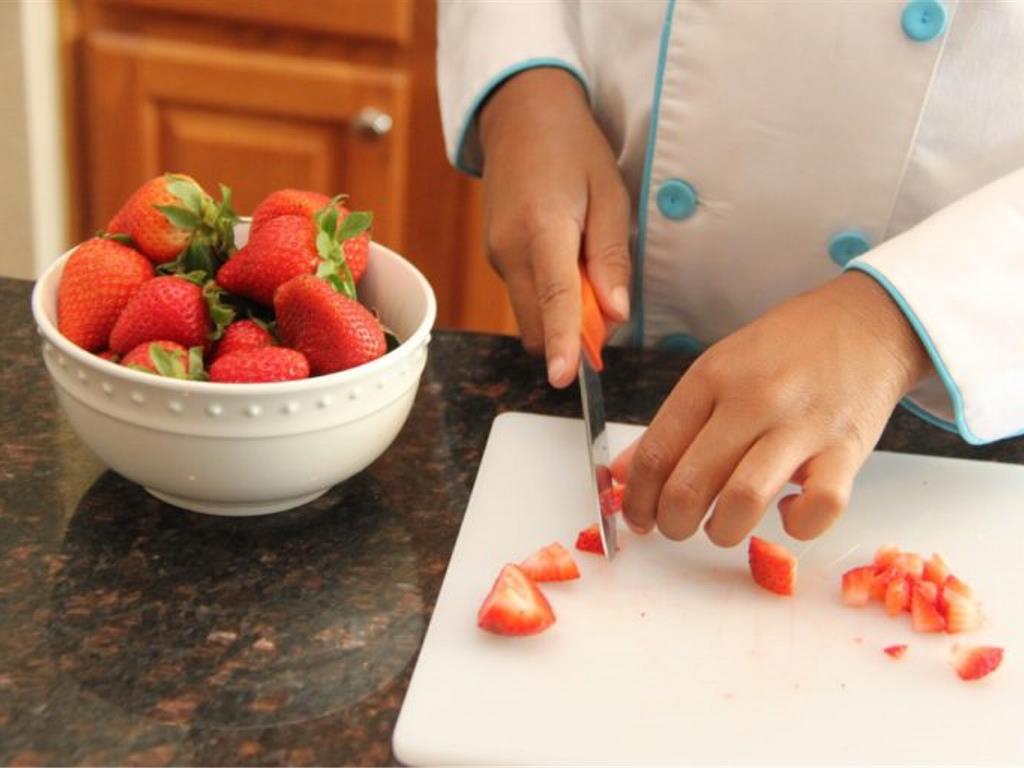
{"points": [[606, 247]]}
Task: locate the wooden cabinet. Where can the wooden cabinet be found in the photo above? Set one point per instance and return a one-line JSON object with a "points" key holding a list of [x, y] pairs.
{"points": [[330, 95]]}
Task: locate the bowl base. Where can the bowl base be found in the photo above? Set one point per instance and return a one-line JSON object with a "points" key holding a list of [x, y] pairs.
{"points": [[235, 509]]}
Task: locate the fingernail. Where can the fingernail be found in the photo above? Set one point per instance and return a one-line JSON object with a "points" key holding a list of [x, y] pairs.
{"points": [[556, 369], [620, 301]]}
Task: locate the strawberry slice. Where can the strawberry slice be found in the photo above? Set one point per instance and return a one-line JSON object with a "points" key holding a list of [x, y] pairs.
{"points": [[551, 563], [910, 564], [589, 540], [936, 570], [896, 651], [925, 617], [961, 613], [953, 584], [976, 661], [881, 582], [772, 566], [611, 499], [515, 606], [927, 589], [857, 585], [897, 596], [886, 555]]}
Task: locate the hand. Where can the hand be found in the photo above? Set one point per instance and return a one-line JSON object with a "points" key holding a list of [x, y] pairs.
{"points": [[801, 394], [550, 182]]}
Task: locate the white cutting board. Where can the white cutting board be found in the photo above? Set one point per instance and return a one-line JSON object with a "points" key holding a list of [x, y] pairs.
{"points": [[670, 654]]}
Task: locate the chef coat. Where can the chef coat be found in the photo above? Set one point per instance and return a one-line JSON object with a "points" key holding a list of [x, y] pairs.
{"points": [[768, 146]]}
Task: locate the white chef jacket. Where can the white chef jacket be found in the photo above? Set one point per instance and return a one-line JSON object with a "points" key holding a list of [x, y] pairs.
{"points": [[769, 145]]}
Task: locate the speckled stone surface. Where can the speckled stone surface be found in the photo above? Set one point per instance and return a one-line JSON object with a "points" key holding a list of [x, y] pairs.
{"points": [[133, 633]]}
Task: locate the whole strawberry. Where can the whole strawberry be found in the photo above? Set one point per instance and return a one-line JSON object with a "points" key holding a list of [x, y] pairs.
{"points": [[243, 334], [168, 308], [299, 202], [283, 248], [172, 218], [262, 365], [333, 331], [98, 280], [166, 358]]}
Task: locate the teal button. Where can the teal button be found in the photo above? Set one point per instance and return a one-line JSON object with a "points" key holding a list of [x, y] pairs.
{"points": [[923, 20], [682, 342], [848, 245], [677, 199]]}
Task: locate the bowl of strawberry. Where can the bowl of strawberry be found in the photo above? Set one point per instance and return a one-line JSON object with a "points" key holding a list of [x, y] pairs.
{"points": [[234, 366]]}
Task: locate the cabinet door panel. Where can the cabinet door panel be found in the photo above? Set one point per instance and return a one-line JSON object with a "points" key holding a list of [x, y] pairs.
{"points": [[256, 121]]}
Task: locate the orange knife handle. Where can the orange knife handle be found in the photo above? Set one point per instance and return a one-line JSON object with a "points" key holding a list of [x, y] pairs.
{"points": [[594, 328]]}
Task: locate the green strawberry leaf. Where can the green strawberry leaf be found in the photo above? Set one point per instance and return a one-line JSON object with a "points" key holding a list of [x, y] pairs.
{"points": [[354, 224], [140, 368], [190, 195], [329, 222], [180, 217], [222, 314], [198, 257], [198, 276], [195, 364], [339, 276], [167, 362], [119, 237], [326, 248]]}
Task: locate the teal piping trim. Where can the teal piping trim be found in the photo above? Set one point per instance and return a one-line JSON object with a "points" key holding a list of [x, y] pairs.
{"points": [[940, 366], [491, 86], [645, 186], [928, 416]]}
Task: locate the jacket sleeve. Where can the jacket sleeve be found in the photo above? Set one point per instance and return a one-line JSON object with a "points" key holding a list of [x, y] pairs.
{"points": [[482, 44], [958, 276]]}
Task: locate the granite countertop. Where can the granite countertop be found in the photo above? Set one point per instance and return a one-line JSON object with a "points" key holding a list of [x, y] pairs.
{"points": [[135, 633]]}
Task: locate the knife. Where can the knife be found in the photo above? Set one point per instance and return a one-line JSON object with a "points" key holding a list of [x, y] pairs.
{"points": [[593, 334]]}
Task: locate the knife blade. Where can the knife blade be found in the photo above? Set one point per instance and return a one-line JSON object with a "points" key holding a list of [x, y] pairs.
{"points": [[592, 398]]}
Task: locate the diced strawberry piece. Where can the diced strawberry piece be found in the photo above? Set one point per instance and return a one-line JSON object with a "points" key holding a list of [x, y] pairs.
{"points": [[927, 589], [880, 583], [976, 661], [961, 613], [589, 540], [953, 584], [857, 585], [925, 616], [897, 597], [936, 570], [551, 563], [772, 566], [515, 606], [910, 564], [896, 651], [611, 499], [886, 555]]}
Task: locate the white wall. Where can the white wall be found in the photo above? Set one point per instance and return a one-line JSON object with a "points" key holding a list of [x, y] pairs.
{"points": [[33, 216]]}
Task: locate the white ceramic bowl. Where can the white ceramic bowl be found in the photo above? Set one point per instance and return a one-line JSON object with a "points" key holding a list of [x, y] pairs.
{"points": [[245, 449]]}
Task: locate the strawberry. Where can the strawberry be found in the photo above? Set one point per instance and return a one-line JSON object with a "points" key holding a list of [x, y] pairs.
{"points": [[954, 584], [897, 596], [896, 651], [243, 334], [936, 570], [961, 613], [886, 555], [910, 564], [857, 585], [928, 590], [99, 279], [880, 583], [109, 355], [333, 331], [551, 563], [168, 308], [297, 202], [515, 606], [589, 540], [772, 566], [263, 364], [284, 247], [976, 661], [611, 499], [167, 358], [924, 615], [171, 218]]}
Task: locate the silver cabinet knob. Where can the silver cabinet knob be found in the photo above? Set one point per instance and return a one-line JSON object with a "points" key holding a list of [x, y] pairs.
{"points": [[372, 122]]}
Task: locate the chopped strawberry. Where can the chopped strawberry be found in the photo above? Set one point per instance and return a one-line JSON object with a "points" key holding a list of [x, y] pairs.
{"points": [[924, 615], [961, 613], [857, 585], [897, 597], [880, 583], [772, 566], [611, 499], [936, 570], [975, 661], [886, 555], [910, 564], [589, 540], [927, 589], [551, 563], [896, 651], [953, 584], [515, 606]]}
